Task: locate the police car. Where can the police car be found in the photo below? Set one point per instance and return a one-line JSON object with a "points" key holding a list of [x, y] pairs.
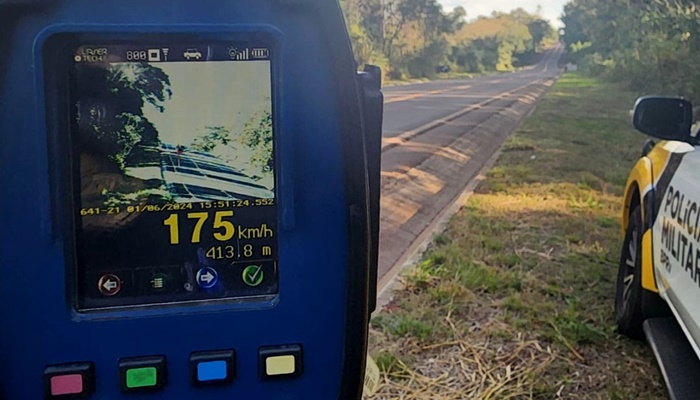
{"points": [[658, 282]]}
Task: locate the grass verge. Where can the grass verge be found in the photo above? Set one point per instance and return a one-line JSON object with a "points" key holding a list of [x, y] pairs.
{"points": [[515, 298]]}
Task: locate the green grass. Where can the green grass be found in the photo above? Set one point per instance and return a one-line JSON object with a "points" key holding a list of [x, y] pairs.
{"points": [[515, 298]]}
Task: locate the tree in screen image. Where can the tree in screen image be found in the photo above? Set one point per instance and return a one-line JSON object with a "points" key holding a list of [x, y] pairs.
{"points": [[114, 134], [112, 125], [257, 135]]}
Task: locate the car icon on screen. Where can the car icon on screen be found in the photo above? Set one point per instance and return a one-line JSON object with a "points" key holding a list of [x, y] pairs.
{"points": [[192, 53]]}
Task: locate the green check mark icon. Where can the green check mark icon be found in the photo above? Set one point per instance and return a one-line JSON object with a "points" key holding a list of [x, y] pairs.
{"points": [[253, 275]]}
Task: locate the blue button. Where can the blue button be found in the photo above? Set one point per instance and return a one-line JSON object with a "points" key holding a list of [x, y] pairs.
{"points": [[211, 371], [213, 368], [207, 277]]}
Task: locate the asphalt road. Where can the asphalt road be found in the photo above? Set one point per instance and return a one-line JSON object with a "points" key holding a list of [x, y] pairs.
{"points": [[407, 107], [437, 137]]}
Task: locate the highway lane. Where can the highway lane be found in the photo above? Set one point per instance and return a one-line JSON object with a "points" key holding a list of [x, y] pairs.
{"points": [[437, 137], [407, 107]]}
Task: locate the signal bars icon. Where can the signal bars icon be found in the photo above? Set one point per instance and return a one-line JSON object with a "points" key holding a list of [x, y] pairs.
{"points": [[240, 55], [243, 55]]}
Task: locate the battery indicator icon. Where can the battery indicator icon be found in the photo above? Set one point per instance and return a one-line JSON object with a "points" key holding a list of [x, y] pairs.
{"points": [[260, 53]]}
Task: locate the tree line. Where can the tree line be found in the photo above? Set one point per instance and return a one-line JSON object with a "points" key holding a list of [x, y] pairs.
{"points": [[418, 39], [651, 46]]}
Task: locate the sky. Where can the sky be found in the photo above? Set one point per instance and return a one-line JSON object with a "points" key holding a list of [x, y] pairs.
{"points": [[551, 9], [222, 93], [210, 94]]}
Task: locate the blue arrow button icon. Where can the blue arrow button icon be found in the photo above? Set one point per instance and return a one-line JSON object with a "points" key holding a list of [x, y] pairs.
{"points": [[207, 277]]}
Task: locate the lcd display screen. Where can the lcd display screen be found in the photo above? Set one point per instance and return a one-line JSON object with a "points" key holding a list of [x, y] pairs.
{"points": [[174, 173]]}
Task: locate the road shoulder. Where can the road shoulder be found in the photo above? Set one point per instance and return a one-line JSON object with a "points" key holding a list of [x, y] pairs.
{"points": [[515, 298]]}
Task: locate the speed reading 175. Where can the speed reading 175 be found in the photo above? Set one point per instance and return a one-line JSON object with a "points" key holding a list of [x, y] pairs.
{"points": [[226, 229]]}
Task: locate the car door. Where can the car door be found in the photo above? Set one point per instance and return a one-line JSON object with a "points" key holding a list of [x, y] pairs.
{"points": [[676, 233]]}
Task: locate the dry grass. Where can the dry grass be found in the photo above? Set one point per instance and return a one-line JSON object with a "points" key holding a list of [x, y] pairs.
{"points": [[515, 299]]}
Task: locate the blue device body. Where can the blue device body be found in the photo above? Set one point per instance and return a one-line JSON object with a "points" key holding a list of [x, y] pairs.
{"points": [[324, 234]]}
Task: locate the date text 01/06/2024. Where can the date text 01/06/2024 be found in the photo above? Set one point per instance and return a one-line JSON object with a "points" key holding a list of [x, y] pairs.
{"points": [[177, 206]]}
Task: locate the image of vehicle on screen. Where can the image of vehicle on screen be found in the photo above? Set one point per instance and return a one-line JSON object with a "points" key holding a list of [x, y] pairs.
{"points": [[174, 132]]}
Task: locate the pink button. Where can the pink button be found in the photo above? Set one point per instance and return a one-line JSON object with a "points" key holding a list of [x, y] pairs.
{"points": [[66, 384]]}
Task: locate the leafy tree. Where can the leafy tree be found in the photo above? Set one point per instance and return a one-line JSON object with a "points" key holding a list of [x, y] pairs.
{"points": [[539, 30], [110, 113], [216, 135], [412, 38], [652, 46], [257, 135], [499, 42]]}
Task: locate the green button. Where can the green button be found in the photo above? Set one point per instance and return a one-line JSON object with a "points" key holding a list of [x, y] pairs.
{"points": [[141, 377], [253, 275]]}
